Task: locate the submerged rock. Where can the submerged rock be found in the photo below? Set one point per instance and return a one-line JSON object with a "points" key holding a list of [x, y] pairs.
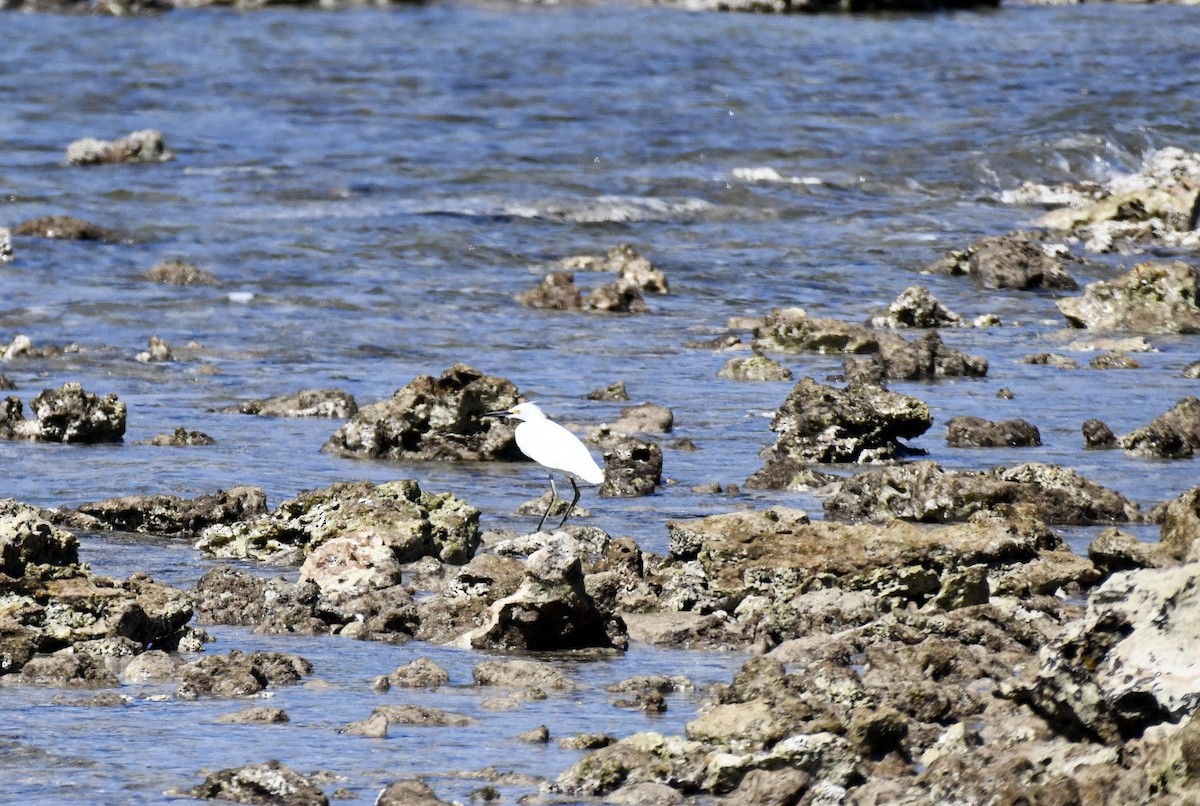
{"points": [[410, 523], [823, 424], [1150, 298], [793, 330], [179, 272], [170, 515], [305, 403], [66, 414], [141, 146], [434, 419], [240, 674], [1006, 261], [64, 227], [179, 438], [754, 368], [976, 432], [557, 292], [271, 782], [923, 491], [627, 263]]}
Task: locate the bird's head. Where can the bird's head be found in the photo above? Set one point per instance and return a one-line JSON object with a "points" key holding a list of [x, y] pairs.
{"points": [[521, 411]]}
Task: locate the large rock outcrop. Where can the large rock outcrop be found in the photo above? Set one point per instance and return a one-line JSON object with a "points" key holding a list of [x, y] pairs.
{"points": [[1150, 298], [434, 418]]}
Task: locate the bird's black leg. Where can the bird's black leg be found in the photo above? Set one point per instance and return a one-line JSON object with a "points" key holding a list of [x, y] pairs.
{"points": [[553, 501], [574, 500]]}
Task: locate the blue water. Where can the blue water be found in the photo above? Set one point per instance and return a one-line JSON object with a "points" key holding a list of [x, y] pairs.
{"points": [[373, 187]]}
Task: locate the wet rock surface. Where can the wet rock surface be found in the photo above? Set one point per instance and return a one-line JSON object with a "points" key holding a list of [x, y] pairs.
{"points": [[434, 419], [1150, 298], [64, 227], [1157, 205], [1007, 261], [334, 403], [924, 491], [167, 514], [66, 414], [269, 782], [396, 515], [820, 424], [916, 307], [976, 432], [1175, 434], [141, 146]]}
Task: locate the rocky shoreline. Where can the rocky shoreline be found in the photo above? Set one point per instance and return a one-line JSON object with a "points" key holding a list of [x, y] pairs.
{"points": [[929, 639]]}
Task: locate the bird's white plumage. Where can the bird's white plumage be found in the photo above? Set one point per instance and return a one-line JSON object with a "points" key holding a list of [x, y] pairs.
{"points": [[552, 446]]}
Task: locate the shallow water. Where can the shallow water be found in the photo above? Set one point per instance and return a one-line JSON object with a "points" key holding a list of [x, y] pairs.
{"points": [[377, 185]]}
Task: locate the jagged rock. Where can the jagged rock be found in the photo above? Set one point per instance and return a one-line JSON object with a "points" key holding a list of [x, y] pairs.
{"points": [[51, 601], [419, 673], [170, 515], [1097, 435], [1128, 663], [521, 674], [228, 595], [976, 432], [1180, 534], [614, 391], [157, 351], [1051, 360], [628, 264], [557, 292], [823, 424], [409, 793], [754, 368], [1174, 434], [1113, 550], [916, 307], [142, 146], [268, 783], [620, 296], [1191, 371], [1150, 298], [644, 418], [6, 384], [239, 674], [66, 414], [923, 491], [306, 403], [411, 523], [6, 247], [927, 358], [434, 418], [179, 272], [261, 715], [64, 227], [552, 609], [632, 467], [1113, 359], [180, 438], [793, 330], [1006, 261]]}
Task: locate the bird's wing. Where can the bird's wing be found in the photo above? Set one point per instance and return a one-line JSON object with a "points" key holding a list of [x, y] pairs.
{"points": [[550, 445]]}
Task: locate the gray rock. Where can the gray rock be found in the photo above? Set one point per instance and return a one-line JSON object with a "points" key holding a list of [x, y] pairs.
{"points": [[632, 467], [916, 307], [268, 783], [141, 146], [1174, 434], [976, 432], [434, 419], [1128, 663], [823, 424], [66, 414], [64, 227], [170, 515], [754, 368], [923, 491], [179, 272], [239, 674], [306, 403], [1150, 298], [419, 673], [1097, 435], [1006, 261], [556, 292]]}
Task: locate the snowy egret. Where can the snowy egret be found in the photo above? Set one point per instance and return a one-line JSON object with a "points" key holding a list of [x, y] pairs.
{"points": [[554, 448]]}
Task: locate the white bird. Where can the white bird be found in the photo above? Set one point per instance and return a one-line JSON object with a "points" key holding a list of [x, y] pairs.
{"points": [[554, 448]]}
